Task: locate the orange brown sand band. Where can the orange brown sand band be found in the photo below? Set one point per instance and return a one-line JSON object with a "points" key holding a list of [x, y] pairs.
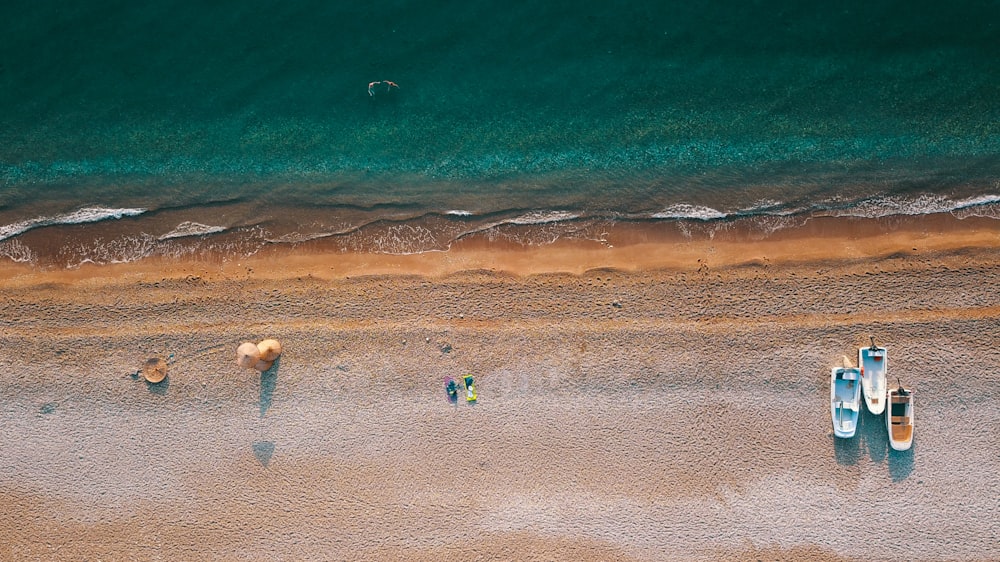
{"points": [[823, 240]]}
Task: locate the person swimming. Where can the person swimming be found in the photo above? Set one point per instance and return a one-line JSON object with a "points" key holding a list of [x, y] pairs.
{"points": [[376, 87]]}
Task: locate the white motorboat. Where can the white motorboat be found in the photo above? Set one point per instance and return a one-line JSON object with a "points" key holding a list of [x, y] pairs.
{"points": [[845, 400], [899, 418], [872, 361]]}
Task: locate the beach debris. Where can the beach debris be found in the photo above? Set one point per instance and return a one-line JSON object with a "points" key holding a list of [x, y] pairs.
{"points": [[154, 370], [247, 355]]}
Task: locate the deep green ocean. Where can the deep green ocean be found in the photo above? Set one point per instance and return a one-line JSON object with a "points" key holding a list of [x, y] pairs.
{"points": [[156, 121]]}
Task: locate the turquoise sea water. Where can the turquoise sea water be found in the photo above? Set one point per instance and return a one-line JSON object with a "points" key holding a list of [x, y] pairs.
{"points": [[159, 121]]}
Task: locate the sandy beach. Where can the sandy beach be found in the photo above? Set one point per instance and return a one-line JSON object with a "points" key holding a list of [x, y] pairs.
{"points": [[646, 398]]}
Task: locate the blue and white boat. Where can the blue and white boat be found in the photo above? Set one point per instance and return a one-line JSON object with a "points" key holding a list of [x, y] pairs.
{"points": [[845, 400]]}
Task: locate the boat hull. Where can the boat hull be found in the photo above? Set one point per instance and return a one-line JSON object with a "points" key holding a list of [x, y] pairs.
{"points": [[872, 362], [899, 419], [845, 401]]}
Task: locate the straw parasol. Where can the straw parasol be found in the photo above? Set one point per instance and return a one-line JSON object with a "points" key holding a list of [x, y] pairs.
{"points": [[269, 350], [247, 355], [154, 370], [262, 365]]}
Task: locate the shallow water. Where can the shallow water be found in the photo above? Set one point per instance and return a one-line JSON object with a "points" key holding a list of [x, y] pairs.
{"points": [[667, 111]]}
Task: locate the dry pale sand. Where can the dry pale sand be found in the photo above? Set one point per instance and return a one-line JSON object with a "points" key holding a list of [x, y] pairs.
{"points": [[651, 401]]}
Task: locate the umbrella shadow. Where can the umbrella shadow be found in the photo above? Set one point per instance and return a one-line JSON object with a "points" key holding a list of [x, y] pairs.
{"points": [[158, 388], [263, 450], [268, 382]]}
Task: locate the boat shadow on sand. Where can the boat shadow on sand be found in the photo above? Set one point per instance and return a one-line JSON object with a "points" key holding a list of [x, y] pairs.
{"points": [[901, 463], [872, 432], [872, 435]]}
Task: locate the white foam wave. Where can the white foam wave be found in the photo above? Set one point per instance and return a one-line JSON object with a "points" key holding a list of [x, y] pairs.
{"points": [[324, 232], [770, 207], [542, 217], [981, 206], [109, 251], [459, 213], [298, 237], [686, 211], [16, 251], [84, 215], [402, 239], [190, 228], [761, 206], [878, 207], [527, 219]]}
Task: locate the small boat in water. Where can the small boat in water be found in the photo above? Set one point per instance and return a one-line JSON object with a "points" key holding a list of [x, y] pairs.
{"points": [[845, 400], [872, 361], [899, 418]]}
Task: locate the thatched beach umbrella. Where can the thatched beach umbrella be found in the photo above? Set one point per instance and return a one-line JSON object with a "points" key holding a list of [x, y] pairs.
{"points": [[154, 370], [269, 350], [262, 365], [247, 355]]}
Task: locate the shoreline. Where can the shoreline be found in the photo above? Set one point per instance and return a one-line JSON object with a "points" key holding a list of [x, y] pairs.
{"points": [[625, 246]]}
